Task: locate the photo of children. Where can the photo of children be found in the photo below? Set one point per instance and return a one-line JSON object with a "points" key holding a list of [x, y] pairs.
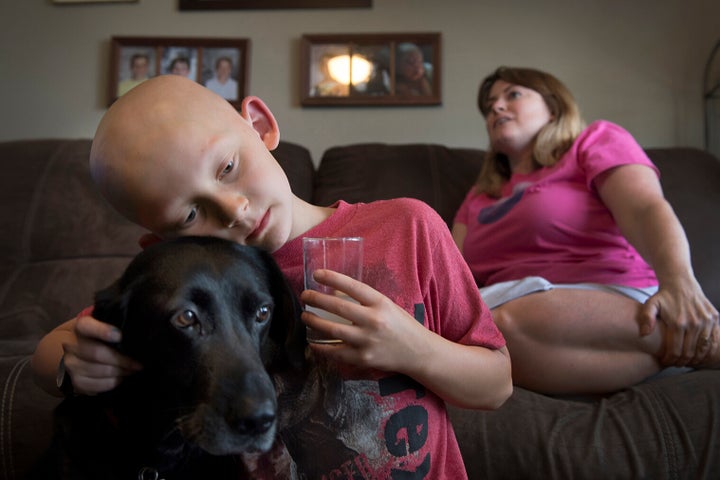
{"points": [[136, 65], [219, 71], [180, 61]]}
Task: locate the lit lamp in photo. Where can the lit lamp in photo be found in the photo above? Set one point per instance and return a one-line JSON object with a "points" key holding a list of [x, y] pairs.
{"points": [[350, 70]]}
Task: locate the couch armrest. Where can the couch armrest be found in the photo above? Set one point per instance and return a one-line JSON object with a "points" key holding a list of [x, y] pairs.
{"points": [[25, 418]]}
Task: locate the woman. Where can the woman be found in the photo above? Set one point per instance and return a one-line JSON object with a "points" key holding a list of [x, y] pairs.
{"points": [[577, 249]]}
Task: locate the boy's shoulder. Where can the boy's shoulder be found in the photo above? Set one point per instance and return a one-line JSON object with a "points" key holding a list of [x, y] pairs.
{"points": [[397, 211], [396, 217], [403, 206]]}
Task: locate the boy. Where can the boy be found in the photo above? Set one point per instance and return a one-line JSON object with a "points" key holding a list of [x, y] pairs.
{"points": [[177, 159]]}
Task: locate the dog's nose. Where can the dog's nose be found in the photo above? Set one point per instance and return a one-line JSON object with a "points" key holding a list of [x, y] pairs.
{"points": [[256, 424]]}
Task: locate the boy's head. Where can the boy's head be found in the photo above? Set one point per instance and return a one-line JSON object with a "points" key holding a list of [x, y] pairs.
{"points": [[178, 159]]}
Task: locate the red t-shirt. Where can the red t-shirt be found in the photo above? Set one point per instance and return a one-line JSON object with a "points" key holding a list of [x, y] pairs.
{"points": [[410, 257], [378, 425]]}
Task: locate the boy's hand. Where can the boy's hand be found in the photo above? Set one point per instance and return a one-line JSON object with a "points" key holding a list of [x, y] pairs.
{"points": [[382, 336], [92, 364]]}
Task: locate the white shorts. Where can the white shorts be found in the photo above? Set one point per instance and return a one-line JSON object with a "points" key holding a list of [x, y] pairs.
{"points": [[499, 293]]}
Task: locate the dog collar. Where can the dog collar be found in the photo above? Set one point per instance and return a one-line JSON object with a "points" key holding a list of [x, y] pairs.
{"points": [[148, 473]]}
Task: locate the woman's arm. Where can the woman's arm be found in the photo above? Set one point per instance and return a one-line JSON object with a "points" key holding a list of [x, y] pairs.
{"points": [[634, 196]]}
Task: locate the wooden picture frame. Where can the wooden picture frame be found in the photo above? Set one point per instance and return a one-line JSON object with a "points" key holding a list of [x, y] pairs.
{"points": [[221, 64], [270, 4], [375, 69], [68, 2]]}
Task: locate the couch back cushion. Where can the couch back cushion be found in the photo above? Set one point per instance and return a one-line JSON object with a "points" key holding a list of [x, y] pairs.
{"points": [[442, 176], [690, 178], [62, 241], [439, 175], [297, 163]]}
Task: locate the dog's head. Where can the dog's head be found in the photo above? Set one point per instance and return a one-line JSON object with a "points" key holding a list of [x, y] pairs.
{"points": [[210, 320]]}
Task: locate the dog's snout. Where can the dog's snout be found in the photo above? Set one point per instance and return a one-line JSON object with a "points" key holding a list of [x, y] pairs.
{"points": [[256, 424], [251, 404]]}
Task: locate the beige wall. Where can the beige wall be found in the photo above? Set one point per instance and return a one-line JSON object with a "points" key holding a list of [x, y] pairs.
{"points": [[635, 62]]}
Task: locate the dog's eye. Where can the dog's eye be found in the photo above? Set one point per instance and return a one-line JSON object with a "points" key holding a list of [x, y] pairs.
{"points": [[185, 319], [263, 313]]}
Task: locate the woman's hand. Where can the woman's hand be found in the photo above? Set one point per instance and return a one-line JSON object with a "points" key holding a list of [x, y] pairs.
{"points": [[690, 323]]}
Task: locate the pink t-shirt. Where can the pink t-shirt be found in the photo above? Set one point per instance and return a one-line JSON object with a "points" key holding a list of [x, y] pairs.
{"points": [[552, 222], [410, 257]]}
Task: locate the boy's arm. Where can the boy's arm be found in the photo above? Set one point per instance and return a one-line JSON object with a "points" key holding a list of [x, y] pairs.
{"points": [[46, 359], [386, 337], [92, 364], [467, 376]]}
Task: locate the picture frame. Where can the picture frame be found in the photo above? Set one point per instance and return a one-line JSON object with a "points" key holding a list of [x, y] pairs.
{"points": [[270, 4], [68, 2], [371, 69], [221, 64]]}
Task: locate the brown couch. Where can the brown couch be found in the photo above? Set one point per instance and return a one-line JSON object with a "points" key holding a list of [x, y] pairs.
{"points": [[62, 242]]}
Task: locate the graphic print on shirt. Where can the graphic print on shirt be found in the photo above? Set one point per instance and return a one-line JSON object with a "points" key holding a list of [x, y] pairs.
{"points": [[362, 429], [499, 209]]}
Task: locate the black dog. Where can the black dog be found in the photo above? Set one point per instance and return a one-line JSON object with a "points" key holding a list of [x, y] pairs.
{"points": [[212, 322]]}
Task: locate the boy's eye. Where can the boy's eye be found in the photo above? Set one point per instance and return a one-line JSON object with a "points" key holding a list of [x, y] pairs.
{"points": [[191, 216], [228, 168], [514, 94]]}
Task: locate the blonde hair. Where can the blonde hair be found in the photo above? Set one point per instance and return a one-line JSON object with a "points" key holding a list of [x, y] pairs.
{"points": [[551, 142]]}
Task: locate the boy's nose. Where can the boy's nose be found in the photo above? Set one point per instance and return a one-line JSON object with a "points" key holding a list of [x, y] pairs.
{"points": [[232, 209]]}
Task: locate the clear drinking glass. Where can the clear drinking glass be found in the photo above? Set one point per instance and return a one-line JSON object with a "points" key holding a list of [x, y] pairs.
{"points": [[340, 254]]}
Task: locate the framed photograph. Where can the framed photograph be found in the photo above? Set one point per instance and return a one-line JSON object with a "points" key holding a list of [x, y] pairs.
{"points": [[220, 64], [370, 69], [94, 1], [270, 4]]}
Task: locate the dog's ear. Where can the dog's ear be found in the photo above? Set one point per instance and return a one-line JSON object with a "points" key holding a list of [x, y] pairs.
{"points": [[286, 329], [110, 305]]}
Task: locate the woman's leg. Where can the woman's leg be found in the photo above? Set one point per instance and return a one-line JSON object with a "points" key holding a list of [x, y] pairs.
{"points": [[577, 341]]}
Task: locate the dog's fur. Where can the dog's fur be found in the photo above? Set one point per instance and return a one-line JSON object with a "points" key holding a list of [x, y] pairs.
{"points": [[211, 322]]}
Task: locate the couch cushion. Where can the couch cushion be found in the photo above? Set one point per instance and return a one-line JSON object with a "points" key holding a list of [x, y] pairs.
{"points": [[442, 176], [298, 166], [664, 429], [65, 240], [436, 174]]}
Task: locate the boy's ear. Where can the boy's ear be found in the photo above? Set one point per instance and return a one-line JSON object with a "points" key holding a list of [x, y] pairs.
{"points": [[262, 120]]}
